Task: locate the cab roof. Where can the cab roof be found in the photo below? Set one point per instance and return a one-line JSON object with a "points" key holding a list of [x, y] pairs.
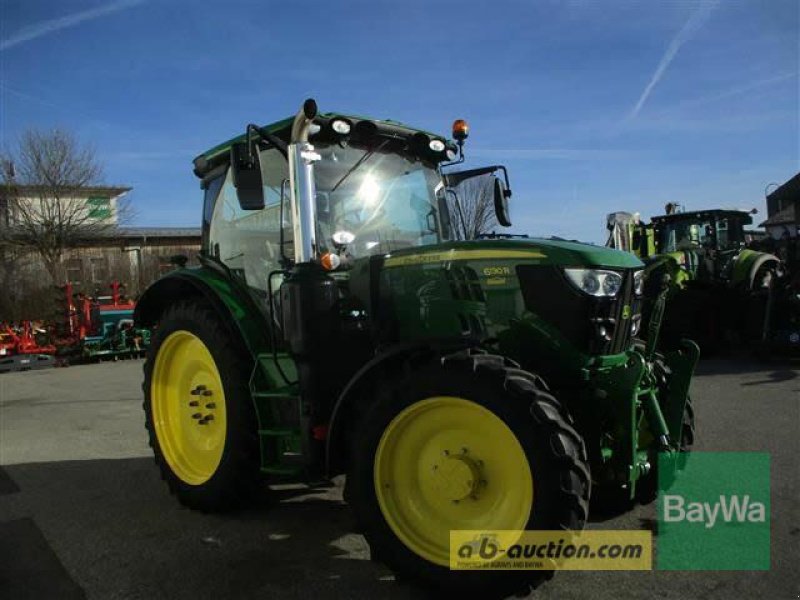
{"points": [[220, 153], [701, 214]]}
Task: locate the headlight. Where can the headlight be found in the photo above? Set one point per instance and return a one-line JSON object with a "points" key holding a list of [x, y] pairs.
{"points": [[638, 283], [595, 282]]}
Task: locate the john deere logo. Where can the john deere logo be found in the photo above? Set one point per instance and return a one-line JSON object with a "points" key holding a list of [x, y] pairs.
{"points": [[626, 312]]}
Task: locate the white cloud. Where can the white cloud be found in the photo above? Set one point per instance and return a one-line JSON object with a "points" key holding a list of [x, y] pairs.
{"points": [[695, 22], [37, 30]]}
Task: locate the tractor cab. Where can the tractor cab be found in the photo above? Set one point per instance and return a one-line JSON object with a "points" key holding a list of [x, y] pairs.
{"points": [[708, 242], [368, 188], [720, 230]]}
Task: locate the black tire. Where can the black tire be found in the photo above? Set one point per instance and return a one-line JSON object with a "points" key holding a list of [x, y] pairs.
{"points": [[237, 476], [554, 449]]}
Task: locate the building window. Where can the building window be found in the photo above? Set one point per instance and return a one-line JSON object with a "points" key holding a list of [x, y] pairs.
{"points": [[99, 270], [99, 208], [74, 270]]}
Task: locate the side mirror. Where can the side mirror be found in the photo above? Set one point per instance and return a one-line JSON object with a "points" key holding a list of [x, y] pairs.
{"points": [[501, 196], [246, 168]]}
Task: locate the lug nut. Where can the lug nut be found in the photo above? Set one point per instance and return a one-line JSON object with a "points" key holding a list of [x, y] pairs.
{"points": [[208, 393], [209, 418], [196, 415], [194, 403], [211, 405]]}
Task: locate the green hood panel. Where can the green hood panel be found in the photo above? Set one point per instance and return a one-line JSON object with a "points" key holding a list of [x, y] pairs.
{"points": [[551, 252]]}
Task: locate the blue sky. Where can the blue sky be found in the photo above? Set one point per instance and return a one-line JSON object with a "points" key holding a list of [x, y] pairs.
{"points": [[594, 106]]}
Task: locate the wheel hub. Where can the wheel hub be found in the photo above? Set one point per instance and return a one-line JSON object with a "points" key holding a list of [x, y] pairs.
{"points": [[202, 418], [456, 477]]}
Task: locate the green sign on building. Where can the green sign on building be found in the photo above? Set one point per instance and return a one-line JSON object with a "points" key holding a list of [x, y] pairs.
{"points": [[99, 207]]}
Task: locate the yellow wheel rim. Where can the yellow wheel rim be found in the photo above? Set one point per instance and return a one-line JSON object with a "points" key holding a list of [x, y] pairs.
{"points": [[447, 463], [188, 407]]}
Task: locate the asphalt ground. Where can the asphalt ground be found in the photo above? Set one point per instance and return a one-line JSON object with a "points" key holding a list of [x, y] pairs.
{"points": [[83, 512]]}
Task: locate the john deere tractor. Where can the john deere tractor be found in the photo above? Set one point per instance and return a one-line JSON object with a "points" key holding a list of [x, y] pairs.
{"points": [[720, 287], [334, 328]]}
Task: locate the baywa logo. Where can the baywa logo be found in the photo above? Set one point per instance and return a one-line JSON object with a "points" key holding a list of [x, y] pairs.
{"points": [[714, 513], [728, 508]]}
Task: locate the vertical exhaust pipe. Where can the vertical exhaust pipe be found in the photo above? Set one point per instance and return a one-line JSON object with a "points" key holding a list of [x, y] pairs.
{"points": [[303, 192]]}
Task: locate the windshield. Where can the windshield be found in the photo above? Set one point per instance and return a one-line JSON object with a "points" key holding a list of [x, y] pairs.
{"points": [[375, 202], [713, 232]]}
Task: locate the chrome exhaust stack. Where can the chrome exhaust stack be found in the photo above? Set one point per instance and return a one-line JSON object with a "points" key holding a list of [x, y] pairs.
{"points": [[301, 178]]}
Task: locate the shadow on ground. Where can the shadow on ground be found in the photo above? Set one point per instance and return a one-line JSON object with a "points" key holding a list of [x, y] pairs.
{"points": [[118, 533], [777, 370]]}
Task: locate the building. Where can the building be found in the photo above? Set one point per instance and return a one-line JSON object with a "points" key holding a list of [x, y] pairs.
{"points": [[134, 256], [29, 204], [783, 210]]}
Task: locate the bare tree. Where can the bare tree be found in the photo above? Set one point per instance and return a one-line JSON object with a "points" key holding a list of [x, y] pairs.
{"points": [[44, 202], [474, 214]]}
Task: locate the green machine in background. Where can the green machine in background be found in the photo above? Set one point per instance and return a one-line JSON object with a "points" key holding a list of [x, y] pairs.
{"points": [[334, 327], [721, 289], [110, 331]]}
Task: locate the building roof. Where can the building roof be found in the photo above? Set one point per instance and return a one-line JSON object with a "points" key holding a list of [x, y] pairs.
{"points": [[789, 192], [93, 190], [158, 232], [786, 216]]}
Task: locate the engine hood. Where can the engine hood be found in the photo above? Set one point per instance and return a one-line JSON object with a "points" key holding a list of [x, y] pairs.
{"points": [[539, 251]]}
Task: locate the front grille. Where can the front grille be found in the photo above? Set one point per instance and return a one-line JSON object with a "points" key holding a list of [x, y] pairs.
{"points": [[595, 326]]}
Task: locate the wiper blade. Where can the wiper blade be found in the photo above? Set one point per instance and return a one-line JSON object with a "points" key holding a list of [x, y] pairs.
{"points": [[358, 163]]}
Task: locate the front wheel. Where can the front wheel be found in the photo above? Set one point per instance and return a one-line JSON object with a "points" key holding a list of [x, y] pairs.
{"points": [[470, 443]]}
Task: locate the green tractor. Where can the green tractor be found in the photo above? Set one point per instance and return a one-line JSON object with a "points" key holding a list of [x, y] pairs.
{"points": [[720, 288], [333, 328]]}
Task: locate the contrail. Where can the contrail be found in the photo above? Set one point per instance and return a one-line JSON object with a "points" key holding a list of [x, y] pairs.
{"points": [[692, 26], [38, 30]]}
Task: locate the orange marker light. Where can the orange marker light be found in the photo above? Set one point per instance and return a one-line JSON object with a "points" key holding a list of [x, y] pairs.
{"points": [[460, 130], [330, 261]]}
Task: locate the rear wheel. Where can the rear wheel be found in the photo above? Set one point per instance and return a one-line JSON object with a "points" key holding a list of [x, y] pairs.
{"points": [[198, 411], [472, 443]]}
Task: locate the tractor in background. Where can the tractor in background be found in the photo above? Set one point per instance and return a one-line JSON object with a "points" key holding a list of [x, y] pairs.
{"points": [[722, 291], [334, 326]]}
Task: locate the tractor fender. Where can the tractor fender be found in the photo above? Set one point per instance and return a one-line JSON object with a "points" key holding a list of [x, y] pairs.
{"points": [[336, 449], [747, 265], [234, 304]]}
